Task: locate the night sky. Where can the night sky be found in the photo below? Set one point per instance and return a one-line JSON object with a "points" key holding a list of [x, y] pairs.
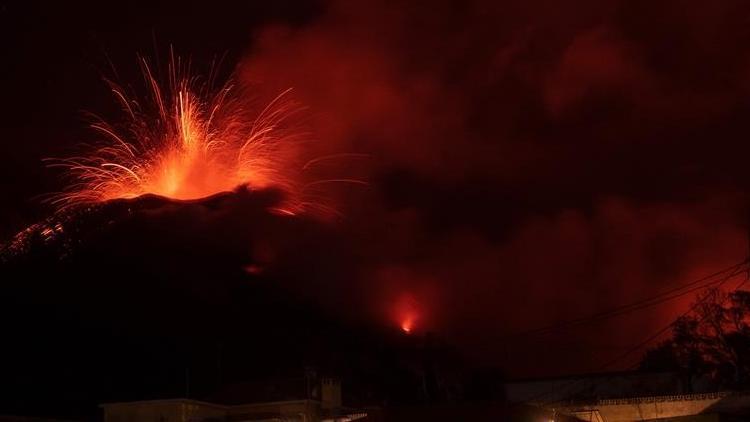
{"points": [[527, 162]]}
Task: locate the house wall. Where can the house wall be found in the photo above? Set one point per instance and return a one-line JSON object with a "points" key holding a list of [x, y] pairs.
{"points": [[163, 411], [182, 410], [655, 410], [648, 408], [297, 411]]}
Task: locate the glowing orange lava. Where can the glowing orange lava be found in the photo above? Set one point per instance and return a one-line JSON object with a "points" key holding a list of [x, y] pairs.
{"points": [[186, 142], [406, 312], [407, 325]]}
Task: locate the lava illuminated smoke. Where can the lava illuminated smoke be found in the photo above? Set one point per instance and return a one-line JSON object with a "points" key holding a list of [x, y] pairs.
{"points": [[185, 142]]}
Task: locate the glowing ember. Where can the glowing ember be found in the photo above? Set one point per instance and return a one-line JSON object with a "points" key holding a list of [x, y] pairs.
{"points": [[187, 142]]}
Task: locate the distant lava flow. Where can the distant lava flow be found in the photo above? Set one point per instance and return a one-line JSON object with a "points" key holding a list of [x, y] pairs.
{"points": [[407, 325], [188, 141]]}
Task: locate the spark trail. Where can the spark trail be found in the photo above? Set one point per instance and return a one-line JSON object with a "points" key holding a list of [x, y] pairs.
{"points": [[186, 141]]}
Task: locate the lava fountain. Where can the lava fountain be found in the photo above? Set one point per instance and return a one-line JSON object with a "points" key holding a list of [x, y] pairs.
{"points": [[187, 141]]}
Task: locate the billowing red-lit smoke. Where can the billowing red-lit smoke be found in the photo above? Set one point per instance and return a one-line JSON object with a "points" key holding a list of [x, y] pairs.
{"points": [[532, 161]]}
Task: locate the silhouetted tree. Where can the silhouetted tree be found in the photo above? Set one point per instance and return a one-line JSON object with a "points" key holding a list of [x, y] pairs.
{"points": [[713, 341]]}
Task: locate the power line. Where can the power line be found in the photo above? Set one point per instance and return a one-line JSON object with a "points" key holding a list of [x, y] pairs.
{"points": [[737, 270], [657, 334], [660, 298]]}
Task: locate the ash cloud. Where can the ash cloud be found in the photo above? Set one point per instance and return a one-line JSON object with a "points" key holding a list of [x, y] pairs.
{"points": [[531, 161]]}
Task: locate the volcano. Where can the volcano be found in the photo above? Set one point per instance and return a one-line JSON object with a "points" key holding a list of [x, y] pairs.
{"points": [[154, 297]]}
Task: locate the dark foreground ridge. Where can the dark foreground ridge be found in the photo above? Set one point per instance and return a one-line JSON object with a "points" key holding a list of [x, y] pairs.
{"points": [[152, 298]]}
